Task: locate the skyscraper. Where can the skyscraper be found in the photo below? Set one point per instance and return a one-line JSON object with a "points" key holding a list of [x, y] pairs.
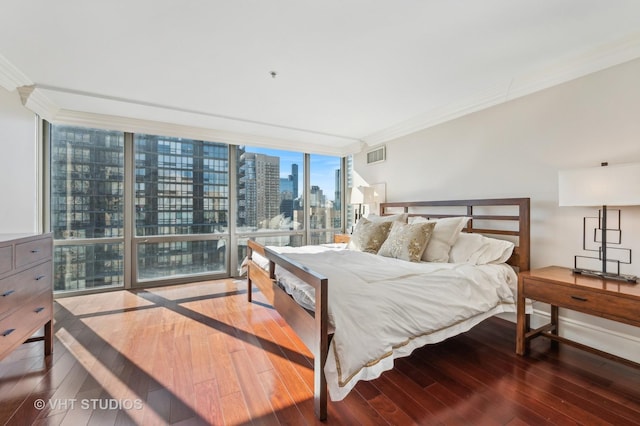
{"points": [[87, 202], [286, 197], [294, 178], [260, 186], [337, 204]]}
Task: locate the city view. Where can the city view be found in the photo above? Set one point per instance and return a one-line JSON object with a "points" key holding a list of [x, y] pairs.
{"points": [[182, 205]]}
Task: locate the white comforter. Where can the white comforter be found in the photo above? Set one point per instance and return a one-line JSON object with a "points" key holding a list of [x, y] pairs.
{"points": [[382, 308]]}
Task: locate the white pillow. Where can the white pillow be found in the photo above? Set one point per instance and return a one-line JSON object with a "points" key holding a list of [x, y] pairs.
{"points": [[467, 248], [496, 251], [477, 249], [416, 219], [401, 217], [445, 234]]}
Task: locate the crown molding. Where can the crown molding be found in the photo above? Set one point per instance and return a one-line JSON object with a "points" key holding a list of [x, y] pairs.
{"points": [[186, 123], [11, 77], [492, 96], [35, 100], [135, 125], [598, 59], [142, 117]]}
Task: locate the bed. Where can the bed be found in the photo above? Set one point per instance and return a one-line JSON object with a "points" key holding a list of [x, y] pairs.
{"points": [[335, 329]]}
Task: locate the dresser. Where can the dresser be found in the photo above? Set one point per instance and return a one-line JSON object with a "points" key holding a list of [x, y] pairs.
{"points": [[26, 292]]}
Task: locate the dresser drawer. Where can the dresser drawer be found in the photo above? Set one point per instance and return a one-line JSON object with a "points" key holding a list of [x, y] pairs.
{"points": [[33, 251], [6, 259], [19, 288], [19, 326], [607, 305]]}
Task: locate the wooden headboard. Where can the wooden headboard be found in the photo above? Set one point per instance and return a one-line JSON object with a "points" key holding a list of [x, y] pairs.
{"points": [[501, 217]]}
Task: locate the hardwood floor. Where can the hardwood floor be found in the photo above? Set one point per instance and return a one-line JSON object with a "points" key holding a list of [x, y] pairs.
{"points": [[200, 354]]}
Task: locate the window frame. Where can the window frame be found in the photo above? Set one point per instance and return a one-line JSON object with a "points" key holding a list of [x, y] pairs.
{"points": [[131, 241]]}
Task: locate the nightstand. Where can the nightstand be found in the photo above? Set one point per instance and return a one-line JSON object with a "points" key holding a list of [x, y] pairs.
{"points": [[561, 288], [341, 238]]}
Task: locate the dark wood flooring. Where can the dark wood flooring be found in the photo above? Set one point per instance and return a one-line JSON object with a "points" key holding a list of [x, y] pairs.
{"points": [[200, 354]]}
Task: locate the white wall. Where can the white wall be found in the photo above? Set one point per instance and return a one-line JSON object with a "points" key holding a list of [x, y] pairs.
{"points": [[515, 150], [18, 166]]}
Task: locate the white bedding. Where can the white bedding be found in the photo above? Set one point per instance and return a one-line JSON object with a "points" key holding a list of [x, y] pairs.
{"points": [[382, 308]]}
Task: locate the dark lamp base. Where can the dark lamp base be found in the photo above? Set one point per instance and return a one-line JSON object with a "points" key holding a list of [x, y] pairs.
{"points": [[607, 275]]}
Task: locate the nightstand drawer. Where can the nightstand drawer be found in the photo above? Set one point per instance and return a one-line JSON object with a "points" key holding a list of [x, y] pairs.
{"points": [[592, 302]]}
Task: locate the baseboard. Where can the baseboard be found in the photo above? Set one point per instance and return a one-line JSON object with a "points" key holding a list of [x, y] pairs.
{"points": [[620, 344]]}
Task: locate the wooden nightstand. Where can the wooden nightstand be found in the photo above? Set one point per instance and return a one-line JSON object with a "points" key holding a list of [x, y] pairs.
{"points": [[559, 287], [341, 238]]}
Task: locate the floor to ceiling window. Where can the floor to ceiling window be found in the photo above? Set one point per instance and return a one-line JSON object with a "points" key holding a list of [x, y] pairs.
{"points": [[270, 187], [288, 198], [87, 207], [137, 209], [325, 198], [181, 207]]}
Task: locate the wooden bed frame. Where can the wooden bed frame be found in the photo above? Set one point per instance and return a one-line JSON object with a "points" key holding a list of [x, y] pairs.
{"points": [[312, 328]]}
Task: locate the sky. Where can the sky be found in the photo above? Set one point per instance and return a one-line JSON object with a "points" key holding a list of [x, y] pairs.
{"points": [[323, 168]]}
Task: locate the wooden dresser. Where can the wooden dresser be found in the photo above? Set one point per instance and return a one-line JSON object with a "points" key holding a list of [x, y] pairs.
{"points": [[26, 290]]}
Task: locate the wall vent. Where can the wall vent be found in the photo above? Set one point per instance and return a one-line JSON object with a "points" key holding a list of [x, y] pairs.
{"points": [[377, 155]]}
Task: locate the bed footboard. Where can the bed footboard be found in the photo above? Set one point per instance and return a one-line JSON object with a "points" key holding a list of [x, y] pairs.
{"points": [[311, 327]]}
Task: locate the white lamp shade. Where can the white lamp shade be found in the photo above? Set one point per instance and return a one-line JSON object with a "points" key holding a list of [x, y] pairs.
{"points": [[368, 195], [362, 195], [356, 196], [617, 185]]}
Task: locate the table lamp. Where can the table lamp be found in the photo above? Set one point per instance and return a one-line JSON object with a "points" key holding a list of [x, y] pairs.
{"points": [[604, 187], [360, 197], [356, 199]]}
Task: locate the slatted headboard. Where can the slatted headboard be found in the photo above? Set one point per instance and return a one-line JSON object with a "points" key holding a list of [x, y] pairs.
{"points": [[506, 218]]}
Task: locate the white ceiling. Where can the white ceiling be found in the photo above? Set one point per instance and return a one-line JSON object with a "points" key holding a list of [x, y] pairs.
{"points": [[348, 71]]}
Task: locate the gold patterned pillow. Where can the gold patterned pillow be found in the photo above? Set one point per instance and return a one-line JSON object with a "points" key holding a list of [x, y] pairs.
{"points": [[369, 236], [407, 242]]}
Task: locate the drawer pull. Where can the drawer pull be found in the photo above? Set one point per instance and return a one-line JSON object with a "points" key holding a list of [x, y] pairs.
{"points": [[34, 251], [8, 292], [581, 299], [38, 310], [8, 332], [39, 277]]}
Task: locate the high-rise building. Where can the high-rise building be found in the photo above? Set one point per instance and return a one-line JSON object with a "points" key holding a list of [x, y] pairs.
{"points": [[337, 204], [317, 197], [294, 178], [259, 183], [286, 197], [181, 187], [87, 202], [289, 193], [286, 187]]}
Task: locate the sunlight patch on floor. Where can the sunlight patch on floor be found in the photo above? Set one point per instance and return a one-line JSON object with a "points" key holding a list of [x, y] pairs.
{"points": [[111, 383]]}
